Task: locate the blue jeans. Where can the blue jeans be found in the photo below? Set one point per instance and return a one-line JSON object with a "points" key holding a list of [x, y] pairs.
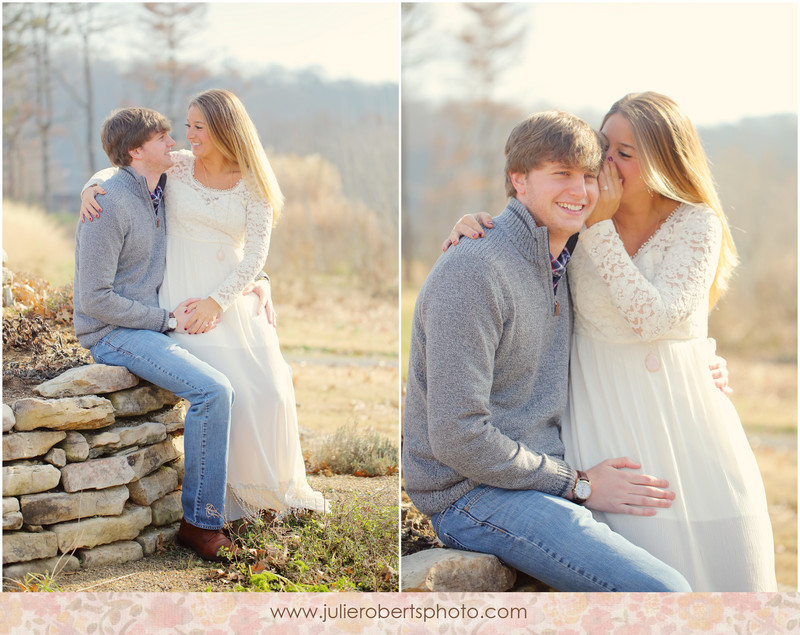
{"points": [[552, 540], [158, 359]]}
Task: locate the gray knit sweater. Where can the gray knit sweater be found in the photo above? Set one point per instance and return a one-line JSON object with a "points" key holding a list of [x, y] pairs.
{"points": [[119, 262], [487, 377]]}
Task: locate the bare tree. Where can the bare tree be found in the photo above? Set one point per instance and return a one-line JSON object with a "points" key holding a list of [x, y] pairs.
{"points": [[86, 24], [164, 73], [491, 41], [17, 109], [415, 19], [42, 25]]}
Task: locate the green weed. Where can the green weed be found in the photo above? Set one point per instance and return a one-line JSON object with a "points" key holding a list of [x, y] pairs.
{"points": [[353, 548]]}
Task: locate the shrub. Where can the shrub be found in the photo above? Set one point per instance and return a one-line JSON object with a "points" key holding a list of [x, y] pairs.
{"points": [[351, 451]]}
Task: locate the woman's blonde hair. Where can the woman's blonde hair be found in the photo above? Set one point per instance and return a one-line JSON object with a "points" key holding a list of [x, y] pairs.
{"points": [[673, 163], [233, 133]]}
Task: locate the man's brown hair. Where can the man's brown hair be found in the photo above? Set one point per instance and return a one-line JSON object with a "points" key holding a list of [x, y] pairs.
{"points": [[126, 129], [552, 135]]}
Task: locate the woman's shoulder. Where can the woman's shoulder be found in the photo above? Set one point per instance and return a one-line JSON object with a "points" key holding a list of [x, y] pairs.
{"points": [[182, 157], [696, 213], [698, 221], [182, 166]]}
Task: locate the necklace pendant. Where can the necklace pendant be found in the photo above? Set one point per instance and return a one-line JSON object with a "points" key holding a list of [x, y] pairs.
{"points": [[651, 362]]}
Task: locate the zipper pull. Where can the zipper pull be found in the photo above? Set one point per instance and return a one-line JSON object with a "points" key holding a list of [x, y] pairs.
{"points": [[557, 313]]}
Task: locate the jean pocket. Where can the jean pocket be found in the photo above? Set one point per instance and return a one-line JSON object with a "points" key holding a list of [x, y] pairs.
{"points": [[473, 496]]}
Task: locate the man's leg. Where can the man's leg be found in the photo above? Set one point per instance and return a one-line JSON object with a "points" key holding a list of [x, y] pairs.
{"points": [[552, 540], [158, 359]]}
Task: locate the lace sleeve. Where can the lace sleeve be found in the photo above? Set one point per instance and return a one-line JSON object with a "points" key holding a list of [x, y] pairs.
{"points": [[682, 280], [258, 227]]}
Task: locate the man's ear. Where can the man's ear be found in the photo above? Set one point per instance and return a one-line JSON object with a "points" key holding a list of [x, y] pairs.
{"points": [[519, 182], [135, 153]]}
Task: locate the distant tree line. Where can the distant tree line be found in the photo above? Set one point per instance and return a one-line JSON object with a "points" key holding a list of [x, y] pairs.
{"points": [[58, 86]]}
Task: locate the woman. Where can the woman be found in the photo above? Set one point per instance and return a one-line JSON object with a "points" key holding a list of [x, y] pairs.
{"points": [[222, 200], [655, 255]]}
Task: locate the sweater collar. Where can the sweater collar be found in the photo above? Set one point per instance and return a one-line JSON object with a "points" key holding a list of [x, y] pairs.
{"points": [[162, 181], [529, 239]]}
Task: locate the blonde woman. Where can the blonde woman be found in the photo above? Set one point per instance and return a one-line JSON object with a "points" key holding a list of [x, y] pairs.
{"points": [[654, 256], [222, 200]]}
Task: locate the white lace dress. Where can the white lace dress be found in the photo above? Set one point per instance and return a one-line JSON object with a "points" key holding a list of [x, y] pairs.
{"points": [[652, 310], [217, 241]]}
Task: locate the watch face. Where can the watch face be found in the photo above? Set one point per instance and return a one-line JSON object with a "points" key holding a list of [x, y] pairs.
{"points": [[582, 490], [173, 323]]}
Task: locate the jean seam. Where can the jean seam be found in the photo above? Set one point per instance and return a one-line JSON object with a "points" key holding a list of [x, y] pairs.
{"points": [[560, 560]]}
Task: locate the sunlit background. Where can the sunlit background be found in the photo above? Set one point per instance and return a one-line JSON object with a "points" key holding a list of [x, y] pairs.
{"points": [[472, 71]]}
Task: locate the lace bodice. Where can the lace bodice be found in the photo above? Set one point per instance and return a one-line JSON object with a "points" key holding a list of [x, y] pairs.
{"points": [[234, 217], [660, 293]]}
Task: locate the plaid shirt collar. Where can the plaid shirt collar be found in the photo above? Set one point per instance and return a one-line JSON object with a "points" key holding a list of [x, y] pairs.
{"points": [[559, 265], [156, 195]]}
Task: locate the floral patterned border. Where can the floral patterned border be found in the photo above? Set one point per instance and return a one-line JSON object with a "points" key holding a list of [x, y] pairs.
{"points": [[562, 613]]}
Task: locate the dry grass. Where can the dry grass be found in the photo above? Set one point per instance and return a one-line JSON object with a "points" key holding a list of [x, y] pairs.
{"points": [[322, 232], [36, 243], [330, 396], [335, 319], [343, 351]]}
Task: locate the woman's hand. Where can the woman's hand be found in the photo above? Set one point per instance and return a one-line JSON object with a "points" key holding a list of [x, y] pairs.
{"points": [[468, 225], [262, 289], [719, 371], [204, 315], [90, 209], [610, 194]]}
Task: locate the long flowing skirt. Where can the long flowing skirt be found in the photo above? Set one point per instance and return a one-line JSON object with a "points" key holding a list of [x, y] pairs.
{"points": [[265, 463], [680, 427]]}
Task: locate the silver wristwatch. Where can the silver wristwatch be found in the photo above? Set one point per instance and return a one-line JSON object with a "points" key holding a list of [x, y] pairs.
{"points": [[172, 322], [582, 490]]}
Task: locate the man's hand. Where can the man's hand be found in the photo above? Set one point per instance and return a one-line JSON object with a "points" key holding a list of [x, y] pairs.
{"points": [[618, 490], [262, 289]]}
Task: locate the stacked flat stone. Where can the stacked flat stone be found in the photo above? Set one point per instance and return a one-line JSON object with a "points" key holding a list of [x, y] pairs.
{"points": [[90, 480]]}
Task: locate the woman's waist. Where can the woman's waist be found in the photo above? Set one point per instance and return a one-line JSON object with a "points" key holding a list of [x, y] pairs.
{"points": [[204, 240], [623, 334]]}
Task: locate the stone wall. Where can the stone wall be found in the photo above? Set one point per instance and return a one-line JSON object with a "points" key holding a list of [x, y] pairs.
{"points": [[91, 472]]}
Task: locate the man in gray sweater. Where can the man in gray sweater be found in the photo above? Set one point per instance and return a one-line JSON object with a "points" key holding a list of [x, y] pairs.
{"points": [[119, 267], [487, 386]]}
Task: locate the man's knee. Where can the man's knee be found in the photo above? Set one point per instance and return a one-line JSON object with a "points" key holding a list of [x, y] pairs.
{"points": [[219, 388], [668, 579]]}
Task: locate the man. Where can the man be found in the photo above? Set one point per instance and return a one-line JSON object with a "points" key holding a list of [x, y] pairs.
{"points": [[119, 267], [487, 386]]}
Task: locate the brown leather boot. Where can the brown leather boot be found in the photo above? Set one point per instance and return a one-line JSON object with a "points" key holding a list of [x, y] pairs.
{"points": [[206, 543]]}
